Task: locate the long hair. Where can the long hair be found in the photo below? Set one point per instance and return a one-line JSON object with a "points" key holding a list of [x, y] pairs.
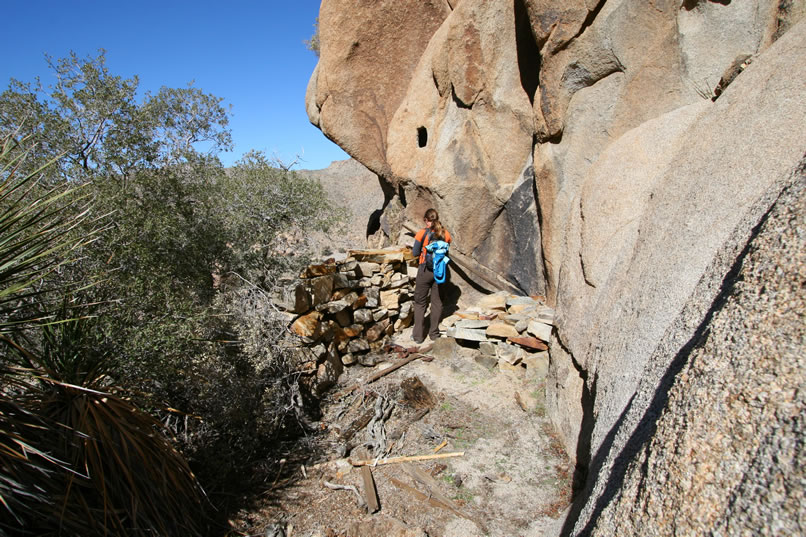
{"points": [[436, 226]]}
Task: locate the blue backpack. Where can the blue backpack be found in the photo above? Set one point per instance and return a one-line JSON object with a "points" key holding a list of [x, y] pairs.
{"points": [[438, 251]]}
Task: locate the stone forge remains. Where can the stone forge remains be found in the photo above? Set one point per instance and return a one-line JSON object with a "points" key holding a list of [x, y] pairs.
{"points": [[346, 312]]}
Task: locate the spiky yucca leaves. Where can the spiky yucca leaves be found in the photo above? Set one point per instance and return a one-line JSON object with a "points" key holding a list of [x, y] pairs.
{"points": [[77, 461], [76, 458], [35, 235]]}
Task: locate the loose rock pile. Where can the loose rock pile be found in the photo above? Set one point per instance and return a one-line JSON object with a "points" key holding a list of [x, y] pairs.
{"points": [[512, 331], [347, 310]]}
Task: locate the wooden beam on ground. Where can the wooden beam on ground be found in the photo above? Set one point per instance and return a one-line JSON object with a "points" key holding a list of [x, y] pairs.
{"points": [[430, 484], [395, 460], [417, 494], [370, 492], [435, 492], [357, 425], [397, 365], [435, 502]]}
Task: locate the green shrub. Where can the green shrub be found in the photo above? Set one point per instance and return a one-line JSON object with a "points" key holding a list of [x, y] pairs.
{"points": [[76, 458], [177, 314]]}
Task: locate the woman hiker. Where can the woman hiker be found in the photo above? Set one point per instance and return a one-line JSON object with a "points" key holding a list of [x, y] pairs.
{"points": [[425, 284]]}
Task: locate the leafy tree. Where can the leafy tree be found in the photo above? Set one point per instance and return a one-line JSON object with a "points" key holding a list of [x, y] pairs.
{"points": [[93, 119], [183, 268]]}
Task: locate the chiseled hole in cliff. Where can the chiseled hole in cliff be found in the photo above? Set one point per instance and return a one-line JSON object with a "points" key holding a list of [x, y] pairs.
{"points": [[688, 5], [528, 51], [422, 136]]}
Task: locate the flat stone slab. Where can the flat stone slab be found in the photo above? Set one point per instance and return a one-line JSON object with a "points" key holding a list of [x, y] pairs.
{"points": [[503, 365], [486, 361], [511, 354], [466, 334], [340, 280], [522, 309], [546, 315], [501, 329], [522, 300], [390, 300], [307, 325], [540, 330], [449, 321], [353, 330], [376, 331], [487, 348], [394, 284], [335, 307], [496, 301], [321, 289], [382, 256], [367, 269], [363, 316], [472, 324], [517, 317], [358, 345], [529, 342], [537, 364], [313, 271]]}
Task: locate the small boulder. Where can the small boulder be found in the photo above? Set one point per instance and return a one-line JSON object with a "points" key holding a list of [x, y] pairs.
{"points": [[308, 326]]}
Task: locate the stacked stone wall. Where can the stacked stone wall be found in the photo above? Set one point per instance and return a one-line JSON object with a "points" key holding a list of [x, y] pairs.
{"points": [[345, 311]]}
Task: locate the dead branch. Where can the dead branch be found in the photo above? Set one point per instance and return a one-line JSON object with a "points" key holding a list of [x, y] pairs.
{"points": [[334, 486], [379, 374]]}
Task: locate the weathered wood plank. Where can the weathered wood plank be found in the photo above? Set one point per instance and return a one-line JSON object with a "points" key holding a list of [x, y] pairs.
{"points": [[370, 492], [412, 458]]}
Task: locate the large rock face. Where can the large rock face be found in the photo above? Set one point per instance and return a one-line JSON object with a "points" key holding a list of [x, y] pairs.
{"points": [[573, 147], [367, 56], [728, 431]]}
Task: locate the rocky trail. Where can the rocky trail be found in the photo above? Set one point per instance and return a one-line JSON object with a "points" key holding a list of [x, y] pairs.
{"points": [[472, 404], [512, 477], [581, 150]]}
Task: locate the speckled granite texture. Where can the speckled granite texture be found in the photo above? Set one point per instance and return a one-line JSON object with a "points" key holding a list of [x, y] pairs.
{"points": [[726, 454]]}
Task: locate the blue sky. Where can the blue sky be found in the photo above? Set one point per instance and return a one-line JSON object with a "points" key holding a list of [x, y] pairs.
{"points": [[250, 53]]}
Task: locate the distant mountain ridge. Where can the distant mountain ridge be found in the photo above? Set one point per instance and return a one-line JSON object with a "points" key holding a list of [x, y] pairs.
{"points": [[350, 185]]}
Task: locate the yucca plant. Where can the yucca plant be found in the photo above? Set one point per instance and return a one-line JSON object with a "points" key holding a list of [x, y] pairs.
{"points": [[35, 235], [77, 457]]}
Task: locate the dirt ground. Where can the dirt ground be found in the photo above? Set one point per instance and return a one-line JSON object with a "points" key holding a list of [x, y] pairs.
{"points": [[513, 479]]}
